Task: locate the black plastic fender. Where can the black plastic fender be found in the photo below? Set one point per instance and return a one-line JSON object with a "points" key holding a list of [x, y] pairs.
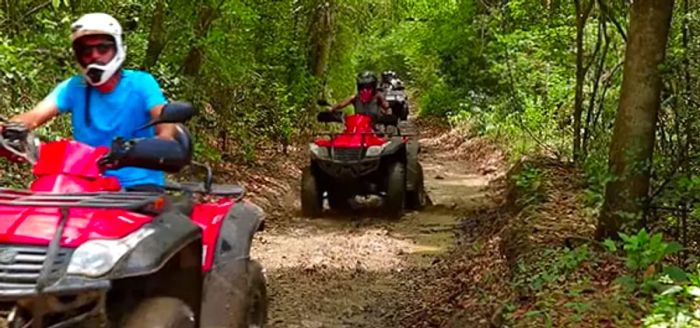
{"points": [[395, 145], [412, 166], [242, 221], [172, 232], [226, 285]]}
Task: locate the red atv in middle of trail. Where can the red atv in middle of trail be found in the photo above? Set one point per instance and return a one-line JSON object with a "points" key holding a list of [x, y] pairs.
{"points": [[363, 161], [77, 251]]}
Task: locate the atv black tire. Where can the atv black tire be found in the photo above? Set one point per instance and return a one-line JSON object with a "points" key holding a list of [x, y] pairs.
{"points": [[250, 310], [395, 190], [311, 194], [160, 312], [418, 198], [404, 112]]}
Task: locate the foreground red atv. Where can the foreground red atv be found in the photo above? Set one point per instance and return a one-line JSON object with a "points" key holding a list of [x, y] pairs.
{"points": [[361, 161], [77, 251]]}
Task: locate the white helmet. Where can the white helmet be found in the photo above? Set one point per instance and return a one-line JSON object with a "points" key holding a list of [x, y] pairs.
{"points": [[100, 24]]}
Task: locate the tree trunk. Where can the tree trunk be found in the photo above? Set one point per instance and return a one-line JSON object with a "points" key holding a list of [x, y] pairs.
{"points": [[634, 133], [156, 37], [205, 17], [583, 10], [321, 31], [603, 29]]}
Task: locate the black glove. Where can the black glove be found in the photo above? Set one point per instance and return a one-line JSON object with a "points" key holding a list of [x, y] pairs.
{"points": [[148, 153], [14, 131], [117, 152]]}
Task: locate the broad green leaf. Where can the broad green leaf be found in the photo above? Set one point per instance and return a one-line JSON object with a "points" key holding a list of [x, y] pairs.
{"points": [[676, 273], [694, 290], [672, 290], [626, 281], [610, 245], [673, 247]]}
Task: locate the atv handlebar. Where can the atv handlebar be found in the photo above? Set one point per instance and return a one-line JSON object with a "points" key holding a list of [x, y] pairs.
{"points": [[330, 117]]}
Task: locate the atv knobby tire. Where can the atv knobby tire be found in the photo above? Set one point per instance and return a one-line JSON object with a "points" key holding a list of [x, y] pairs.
{"points": [[160, 312], [311, 194], [249, 307], [417, 198], [395, 190], [404, 112]]}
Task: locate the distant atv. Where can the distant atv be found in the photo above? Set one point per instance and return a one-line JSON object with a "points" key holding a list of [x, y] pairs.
{"points": [[360, 161], [395, 94]]}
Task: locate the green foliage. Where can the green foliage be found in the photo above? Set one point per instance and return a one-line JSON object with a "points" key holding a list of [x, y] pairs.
{"points": [[597, 176], [529, 183], [254, 86], [552, 265], [644, 256], [677, 306]]}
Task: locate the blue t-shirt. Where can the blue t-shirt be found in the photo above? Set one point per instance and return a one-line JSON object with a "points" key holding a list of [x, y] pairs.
{"points": [[114, 114]]}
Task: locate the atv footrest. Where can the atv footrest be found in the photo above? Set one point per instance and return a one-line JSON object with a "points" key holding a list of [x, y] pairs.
{"points": [[122, 200]]}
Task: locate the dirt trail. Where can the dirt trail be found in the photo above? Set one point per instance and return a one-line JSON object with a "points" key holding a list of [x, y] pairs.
{"points": [[366, 271]]}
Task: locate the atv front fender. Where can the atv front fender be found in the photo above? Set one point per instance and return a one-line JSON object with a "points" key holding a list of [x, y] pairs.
{"points": [[173, 231], [395, 146], [412, 167], [226, 283]]}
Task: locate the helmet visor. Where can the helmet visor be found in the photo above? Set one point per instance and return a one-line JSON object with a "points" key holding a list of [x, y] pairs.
{"points": [[93, 50]]}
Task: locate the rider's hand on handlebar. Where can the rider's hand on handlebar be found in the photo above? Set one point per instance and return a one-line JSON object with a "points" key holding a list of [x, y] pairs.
{"points": [[13, 131], [14, 142], [119, 150]]}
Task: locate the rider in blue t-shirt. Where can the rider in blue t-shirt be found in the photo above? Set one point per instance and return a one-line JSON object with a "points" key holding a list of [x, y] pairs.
{"points": [[107, 101]]}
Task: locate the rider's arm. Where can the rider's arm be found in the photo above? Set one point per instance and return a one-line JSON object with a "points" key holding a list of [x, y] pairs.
{"points": [[343, 104], [155, 101], [44, 111], [166, 130], [383, 103], [59, 100]]}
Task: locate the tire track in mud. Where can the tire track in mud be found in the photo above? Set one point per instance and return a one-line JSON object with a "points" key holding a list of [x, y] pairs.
{"points": [[365, 271]]}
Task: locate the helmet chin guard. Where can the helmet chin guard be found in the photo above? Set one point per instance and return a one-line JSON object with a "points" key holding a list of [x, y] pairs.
{"points": [[100, 24]]}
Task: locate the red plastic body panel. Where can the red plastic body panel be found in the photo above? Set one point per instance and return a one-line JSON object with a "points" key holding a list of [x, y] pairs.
{"points": [[358, 132], [36, 226], [69, 166], [209, 217]]}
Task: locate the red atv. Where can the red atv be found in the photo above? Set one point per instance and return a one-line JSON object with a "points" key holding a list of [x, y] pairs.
{"points": [[75, 250], [362, 161]]}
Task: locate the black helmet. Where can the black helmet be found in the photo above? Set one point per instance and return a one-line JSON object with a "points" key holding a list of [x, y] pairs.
{"points": [[366, 79]]}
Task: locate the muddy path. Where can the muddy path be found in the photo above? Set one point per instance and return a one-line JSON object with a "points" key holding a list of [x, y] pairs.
{"points": [[365, 271]]}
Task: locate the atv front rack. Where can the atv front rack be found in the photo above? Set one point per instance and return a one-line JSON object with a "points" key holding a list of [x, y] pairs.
{"points": [[107, 200], [363, 134]]}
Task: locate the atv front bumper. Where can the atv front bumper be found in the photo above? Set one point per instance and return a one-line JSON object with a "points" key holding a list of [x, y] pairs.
{"points": [[68, 285], [349, 169], [65, 303]]}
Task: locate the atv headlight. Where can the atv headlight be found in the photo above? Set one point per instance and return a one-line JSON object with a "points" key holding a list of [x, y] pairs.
{"points": [[319, 151], [97, 257], [374, 151]]}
